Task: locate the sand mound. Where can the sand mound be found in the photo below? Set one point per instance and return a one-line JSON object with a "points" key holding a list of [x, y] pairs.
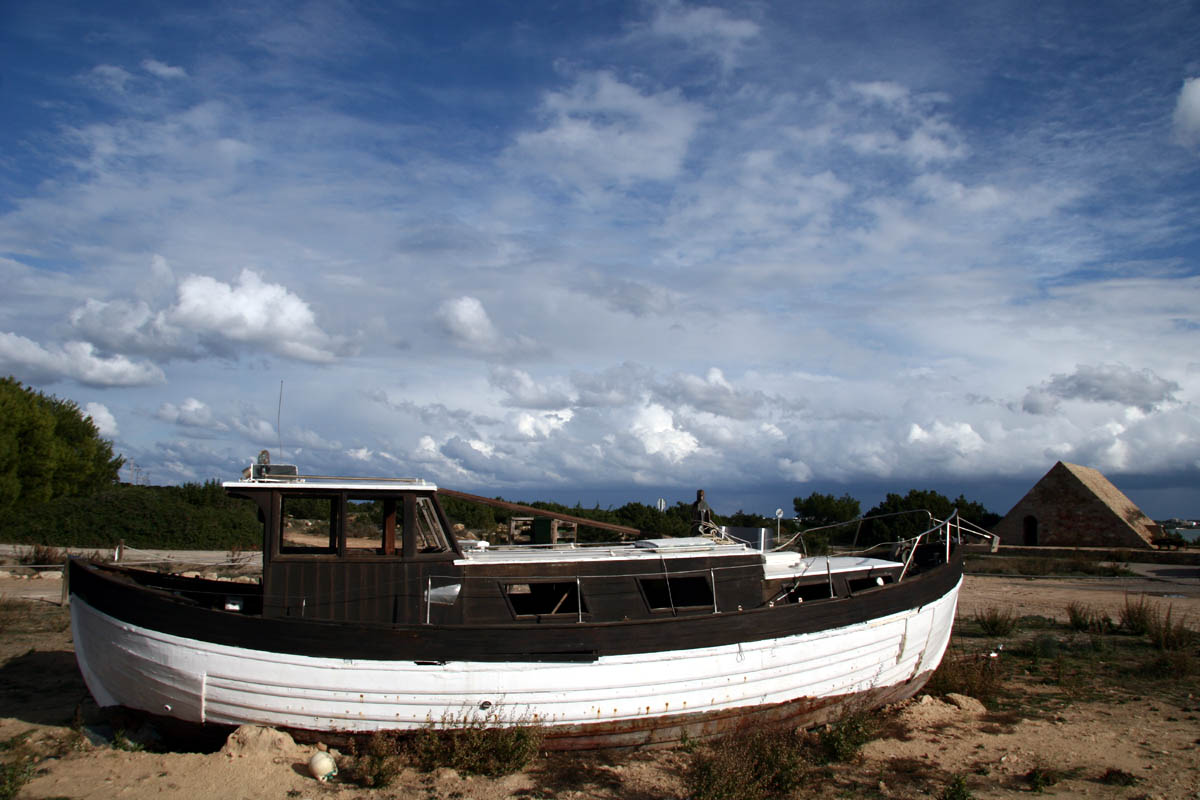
{"points": [[256, 740]]}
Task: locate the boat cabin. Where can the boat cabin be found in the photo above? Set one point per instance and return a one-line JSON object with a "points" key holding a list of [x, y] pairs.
{"points": [[381, 551]]}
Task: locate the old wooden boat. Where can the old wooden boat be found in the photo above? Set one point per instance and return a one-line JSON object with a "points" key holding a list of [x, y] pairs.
{"points": [[378, 618]]}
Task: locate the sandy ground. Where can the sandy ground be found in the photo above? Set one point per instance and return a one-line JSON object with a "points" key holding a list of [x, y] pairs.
{"points": [[1154, 741]]}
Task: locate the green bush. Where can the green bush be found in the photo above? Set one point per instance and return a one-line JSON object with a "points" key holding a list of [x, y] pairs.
{"points": [[956, 789], [373, 764], [841, 740]]}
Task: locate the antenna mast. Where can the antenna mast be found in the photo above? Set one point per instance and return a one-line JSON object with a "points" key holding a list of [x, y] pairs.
{"points": [[278, 415]]}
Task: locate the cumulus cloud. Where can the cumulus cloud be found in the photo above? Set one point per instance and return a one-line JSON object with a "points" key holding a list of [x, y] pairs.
{"points": [[1186, 120], [191, 413], [712, 393], [74, 360], [1103, 383], [654, 426], [161, 70], [208, 317], [602, 130], [466, 322], [103, 419], [524, 392], [612, 388], [130, 327], [252, 311], [539, 425], [956, 437]]}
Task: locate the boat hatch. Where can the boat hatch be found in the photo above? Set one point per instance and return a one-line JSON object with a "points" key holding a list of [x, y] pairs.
{"points": [[680, 543]]}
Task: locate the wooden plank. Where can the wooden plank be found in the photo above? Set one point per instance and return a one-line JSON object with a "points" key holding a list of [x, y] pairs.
{"points": [[507, 506]]}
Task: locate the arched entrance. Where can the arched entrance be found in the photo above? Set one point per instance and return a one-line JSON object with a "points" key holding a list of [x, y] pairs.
{"points": [[1031, 531]]}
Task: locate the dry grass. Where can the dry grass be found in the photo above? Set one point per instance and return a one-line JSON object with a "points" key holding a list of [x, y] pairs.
{"points": [[995, 621], [978, 675], [1085, 618]]}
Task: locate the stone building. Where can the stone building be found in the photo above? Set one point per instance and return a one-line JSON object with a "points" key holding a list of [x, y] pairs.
{"points": [[1074, 506]]}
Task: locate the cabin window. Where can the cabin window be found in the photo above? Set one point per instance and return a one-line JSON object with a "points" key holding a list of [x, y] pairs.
{"points": [[431, 538], [806, 593], [308, 524], [668, 594], [867, 582], [374, 526], [545, 598]]}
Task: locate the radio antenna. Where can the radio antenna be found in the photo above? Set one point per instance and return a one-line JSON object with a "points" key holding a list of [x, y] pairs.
{"points": [[278, 415]]}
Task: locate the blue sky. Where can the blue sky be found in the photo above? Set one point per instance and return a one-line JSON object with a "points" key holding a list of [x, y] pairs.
{"points": [[602, 252]]}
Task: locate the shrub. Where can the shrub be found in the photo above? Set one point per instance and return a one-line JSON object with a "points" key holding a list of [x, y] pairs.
{"points": [[13, 776], [1118, 777], [956, 789], [747, 766], [490, 743], [1041, 778], [841, 740], [996, 621], [375, 764], [1135, 615], [1167, 635], [1082, 617]]}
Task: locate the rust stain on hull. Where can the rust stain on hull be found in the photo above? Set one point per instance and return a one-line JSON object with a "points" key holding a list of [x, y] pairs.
{"points": [[669, 730]]}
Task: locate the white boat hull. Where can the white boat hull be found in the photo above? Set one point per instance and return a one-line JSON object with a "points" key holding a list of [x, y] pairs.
{"points": [[627, 699]]}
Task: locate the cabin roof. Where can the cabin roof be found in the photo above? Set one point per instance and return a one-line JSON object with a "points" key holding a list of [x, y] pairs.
{"points": [[330, 483]]}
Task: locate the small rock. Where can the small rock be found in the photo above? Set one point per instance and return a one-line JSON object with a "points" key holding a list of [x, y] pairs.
{"points": [[969, 704]]}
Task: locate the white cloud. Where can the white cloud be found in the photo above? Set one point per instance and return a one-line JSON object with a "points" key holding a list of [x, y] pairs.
{"points": [[1186, 120], [251, 311], [706, 28], [469, 325], [540, 425], [654, 426], [524, 392], [466, 322], [191, 413], [74, 360], [161, 70], [103, 419], [601, 131], [957, 437]]}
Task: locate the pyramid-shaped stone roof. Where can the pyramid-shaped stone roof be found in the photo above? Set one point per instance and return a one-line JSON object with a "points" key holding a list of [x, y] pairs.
{"points": [[1076, 506]]}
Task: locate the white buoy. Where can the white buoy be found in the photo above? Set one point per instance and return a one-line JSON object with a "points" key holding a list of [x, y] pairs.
{"points": [[322, 766]]}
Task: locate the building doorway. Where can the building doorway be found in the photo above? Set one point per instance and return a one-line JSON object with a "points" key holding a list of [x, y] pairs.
{"points": [[1031, 531]]}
